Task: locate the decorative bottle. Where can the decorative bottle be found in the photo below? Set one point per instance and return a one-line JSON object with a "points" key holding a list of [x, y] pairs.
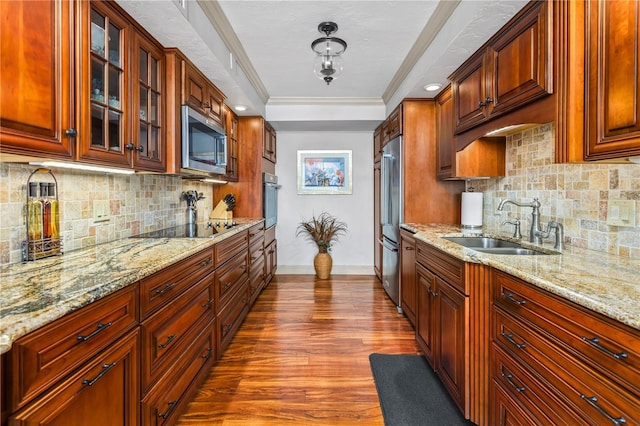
{"points": [[34, 215], [46, 210], [55, 217]]}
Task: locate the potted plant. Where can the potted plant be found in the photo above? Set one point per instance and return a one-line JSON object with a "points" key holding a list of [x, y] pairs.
{"points": [[322, 231]]}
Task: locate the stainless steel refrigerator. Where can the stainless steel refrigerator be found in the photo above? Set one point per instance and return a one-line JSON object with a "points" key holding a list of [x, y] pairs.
{"points": [[391, 215]]}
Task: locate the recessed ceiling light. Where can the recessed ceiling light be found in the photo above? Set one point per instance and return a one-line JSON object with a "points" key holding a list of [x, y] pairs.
{"points": [[432, 87], [240, 108]]}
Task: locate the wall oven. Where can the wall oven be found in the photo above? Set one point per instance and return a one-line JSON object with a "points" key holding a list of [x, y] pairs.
{"points": [[270, 199]]}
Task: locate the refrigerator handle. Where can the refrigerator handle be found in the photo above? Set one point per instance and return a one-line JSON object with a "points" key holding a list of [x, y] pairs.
{"points": [[386, 190], [387, 246]]}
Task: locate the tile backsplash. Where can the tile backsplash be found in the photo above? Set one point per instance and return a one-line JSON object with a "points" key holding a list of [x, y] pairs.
{"points": [[138, 203], [576, 195]]}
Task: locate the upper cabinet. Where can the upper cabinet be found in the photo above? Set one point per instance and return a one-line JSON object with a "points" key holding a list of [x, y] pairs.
{"points": [[231, 120], [511, 70], [36, 75], [612, 106], [121, 105], [201, 94], [269, 143]]}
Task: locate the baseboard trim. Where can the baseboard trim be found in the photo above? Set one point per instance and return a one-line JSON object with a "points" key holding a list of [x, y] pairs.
{"points": [[337, 269]]}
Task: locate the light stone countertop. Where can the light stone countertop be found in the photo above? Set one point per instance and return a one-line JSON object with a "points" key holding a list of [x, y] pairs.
{"points": [[604, 283], [36, 293]]}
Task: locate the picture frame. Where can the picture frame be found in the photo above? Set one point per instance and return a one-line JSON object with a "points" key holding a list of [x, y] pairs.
{"points": [[324, 172]]}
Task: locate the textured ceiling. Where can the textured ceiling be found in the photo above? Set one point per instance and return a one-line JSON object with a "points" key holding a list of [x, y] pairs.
{"points": [[258, 51]]}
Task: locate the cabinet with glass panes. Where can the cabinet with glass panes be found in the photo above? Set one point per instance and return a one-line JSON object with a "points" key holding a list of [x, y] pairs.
{"points": [[121, 95]]}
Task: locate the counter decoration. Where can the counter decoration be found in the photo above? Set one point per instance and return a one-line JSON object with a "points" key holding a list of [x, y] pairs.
{"points": [[43, 216], [322, 231]]}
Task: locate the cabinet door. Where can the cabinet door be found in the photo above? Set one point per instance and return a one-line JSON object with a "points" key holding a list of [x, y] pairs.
{"points": [[451, 331], [445, 142], [408, 276], [521, 70], [194, 92], [214, 104], [103, 93], [105, 390], [36, 77], [394, 123], [469, 93], [426, 282], [271, 259], [231, 120], [269, 147], [613, 85], [148, 113]]}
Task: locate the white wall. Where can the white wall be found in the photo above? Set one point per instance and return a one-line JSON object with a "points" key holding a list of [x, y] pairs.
{"points": [[353, 253]]}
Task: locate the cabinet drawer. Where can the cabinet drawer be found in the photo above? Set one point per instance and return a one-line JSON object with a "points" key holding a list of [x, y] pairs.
{"points": [[567, 378], [256, 279], [166, 400], [168, 332], [442, 264], [163, 286], [599, 342], [105, 389], [527, 391], [226, 249], [256, 232], [42, 357], [230, 319], [256, 251], [229, 278]]}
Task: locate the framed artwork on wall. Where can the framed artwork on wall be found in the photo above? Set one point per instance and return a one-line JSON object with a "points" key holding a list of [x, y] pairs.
{"points": [[324, 172]]}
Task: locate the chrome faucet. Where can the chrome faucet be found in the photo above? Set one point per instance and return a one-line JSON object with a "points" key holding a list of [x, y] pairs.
{"points": [[516, 223], [559, 231], [535, 217]]}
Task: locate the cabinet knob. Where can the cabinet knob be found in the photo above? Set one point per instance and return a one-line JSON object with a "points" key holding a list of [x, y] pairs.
{"points": [[130, 146], [488, 100], [140, 148], [71, 133], [481, 104]]}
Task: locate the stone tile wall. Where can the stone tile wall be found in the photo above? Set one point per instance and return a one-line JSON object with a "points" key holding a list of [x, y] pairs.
{"points": [[138, 203], [576, 195]]}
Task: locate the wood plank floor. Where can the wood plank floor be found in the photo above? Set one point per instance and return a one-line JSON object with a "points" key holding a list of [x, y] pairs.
{"points": [[301, 356]]}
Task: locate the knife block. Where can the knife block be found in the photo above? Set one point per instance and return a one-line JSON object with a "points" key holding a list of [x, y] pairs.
{"points": [[220, 214]]}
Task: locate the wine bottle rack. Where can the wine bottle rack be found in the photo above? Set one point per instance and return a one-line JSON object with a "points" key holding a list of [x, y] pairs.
{"points": [[39, 248]]}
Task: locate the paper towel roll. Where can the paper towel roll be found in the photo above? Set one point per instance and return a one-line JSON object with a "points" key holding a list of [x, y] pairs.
{"points": [[471, 210]]}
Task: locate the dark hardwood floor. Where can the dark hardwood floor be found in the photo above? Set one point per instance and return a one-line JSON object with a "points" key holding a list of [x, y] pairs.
{"points": [[301, 356]]}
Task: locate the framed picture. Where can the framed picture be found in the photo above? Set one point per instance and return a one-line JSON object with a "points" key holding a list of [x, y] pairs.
{"points": [[324, 172]]}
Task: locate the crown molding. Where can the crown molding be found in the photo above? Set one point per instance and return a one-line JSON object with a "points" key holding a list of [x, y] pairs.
{"points": [[218, 19], [324, 101], [440, 16]]}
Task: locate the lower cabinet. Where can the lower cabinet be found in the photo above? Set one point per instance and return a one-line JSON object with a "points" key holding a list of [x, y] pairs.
{"points": [[559, 363], [408, 292], [271, 260], [104, 390]]}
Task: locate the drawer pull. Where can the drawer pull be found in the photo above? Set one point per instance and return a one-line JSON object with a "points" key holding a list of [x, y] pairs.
{"points": [[105, 370], [205, 262], [164, 415], [593, 401], [207, 354], [509, 378], [409, 248], [169, 340], [101, 327], [509, 337], [513, 299], [596, 343], [166, 288], [227, 329], [226, 286], [207, 303]]}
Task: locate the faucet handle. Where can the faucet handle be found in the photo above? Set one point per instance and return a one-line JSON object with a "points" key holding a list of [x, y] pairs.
{"points": [[516, 223]]}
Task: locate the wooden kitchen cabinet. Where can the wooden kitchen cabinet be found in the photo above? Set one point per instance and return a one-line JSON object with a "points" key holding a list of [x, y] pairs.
{"points": [[269, 143], [36, 76], [582, 365], [377, 224], [256, 261], [612, 104], [200, 94], [231, 120], [442, 324], [105, 390], [271, 260], [120, 98], [514, 68], [408, 292]]}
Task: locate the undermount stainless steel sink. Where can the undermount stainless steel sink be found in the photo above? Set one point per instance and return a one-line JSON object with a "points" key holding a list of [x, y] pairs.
{"points": [[494, 246]]}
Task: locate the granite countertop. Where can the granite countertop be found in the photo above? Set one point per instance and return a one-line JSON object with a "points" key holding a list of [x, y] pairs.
{"points": [[602, 282], [37, 293]]}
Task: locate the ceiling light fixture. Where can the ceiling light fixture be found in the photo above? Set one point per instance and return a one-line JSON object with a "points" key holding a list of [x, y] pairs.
{"points": [[328, 63], [432, 87], [240, 108]]}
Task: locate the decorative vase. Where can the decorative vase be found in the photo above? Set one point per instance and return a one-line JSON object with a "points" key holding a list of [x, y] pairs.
{"points": [[323, 263]]}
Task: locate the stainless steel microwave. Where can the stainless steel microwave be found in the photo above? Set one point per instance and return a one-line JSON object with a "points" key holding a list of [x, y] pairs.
{"points": [[204, 143]]}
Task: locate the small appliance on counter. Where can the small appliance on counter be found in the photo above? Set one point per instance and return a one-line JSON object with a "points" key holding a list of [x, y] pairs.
{"points": [[471, 210], [223, 212]]}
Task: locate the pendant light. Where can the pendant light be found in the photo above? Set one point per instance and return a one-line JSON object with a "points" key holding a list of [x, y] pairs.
{"points": [[328, 63]]}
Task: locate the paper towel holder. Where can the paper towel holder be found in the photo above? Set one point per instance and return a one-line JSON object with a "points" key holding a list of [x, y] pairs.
{"points": [[471, 221]]}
